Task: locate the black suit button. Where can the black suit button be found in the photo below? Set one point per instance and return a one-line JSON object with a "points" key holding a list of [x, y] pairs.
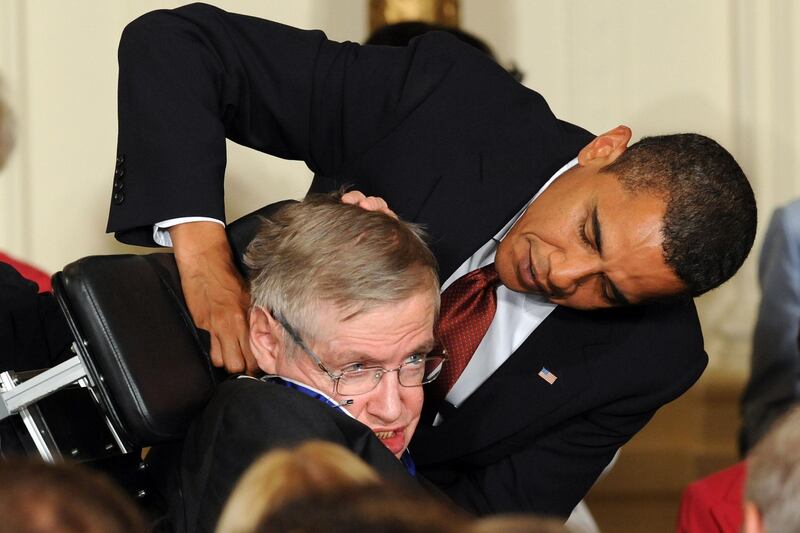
{"points": [[120, 159], [119, 172], [118, 185], [118, 198]]}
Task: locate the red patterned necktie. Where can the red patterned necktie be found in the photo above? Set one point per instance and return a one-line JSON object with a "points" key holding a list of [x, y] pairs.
{"points": [[468, 306]]}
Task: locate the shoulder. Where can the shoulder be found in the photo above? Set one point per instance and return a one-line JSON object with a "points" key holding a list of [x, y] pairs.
{"points": [[240, 404], [259, 396], [11, 278], [655, 351]]}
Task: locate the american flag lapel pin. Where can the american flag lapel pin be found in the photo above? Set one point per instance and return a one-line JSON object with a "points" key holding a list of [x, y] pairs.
{"points": [[547, 376]]}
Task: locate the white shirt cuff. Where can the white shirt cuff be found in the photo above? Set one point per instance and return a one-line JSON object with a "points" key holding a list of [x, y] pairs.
{"points": [[161, 234]]}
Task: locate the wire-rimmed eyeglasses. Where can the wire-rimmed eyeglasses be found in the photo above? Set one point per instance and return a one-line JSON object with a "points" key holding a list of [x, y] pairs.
{"points": [[357, 378]]}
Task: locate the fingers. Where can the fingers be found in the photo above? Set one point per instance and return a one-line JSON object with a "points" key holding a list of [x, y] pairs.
{"points": [[229, 324], [353, 197], [236, 352], [370, 203], [232, 356], [216, 351], [230, 347]]}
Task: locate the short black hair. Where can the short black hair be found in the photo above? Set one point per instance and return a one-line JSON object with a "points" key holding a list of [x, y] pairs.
{"points": [[710, 220]]}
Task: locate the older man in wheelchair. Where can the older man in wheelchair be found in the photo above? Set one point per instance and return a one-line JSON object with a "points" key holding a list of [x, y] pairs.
{"points": [[341, 298]]}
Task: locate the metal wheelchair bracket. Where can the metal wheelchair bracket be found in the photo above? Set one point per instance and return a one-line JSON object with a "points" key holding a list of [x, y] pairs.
{"points": [[15, 397]]}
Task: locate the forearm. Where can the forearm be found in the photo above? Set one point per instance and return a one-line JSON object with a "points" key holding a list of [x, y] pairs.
{"points": [[215, 293], [189, 78], [201, 246]]}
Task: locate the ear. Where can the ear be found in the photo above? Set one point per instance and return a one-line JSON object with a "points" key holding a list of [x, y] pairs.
{"points": [[605, 148], [266, 340], [753, 521]]}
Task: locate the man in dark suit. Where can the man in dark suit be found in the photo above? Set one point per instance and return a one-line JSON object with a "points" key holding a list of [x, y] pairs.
{"points": [[344, 302], [572, 223]]}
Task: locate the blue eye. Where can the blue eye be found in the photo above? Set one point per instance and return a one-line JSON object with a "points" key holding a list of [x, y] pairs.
{"points": [[414, 358], [354, 368]]}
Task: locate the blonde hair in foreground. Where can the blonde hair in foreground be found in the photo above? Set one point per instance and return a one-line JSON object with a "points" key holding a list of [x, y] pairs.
{"points": [[321, 250], [282, 476]]}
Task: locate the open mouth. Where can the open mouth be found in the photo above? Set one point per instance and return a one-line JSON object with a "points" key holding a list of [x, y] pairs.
{"points": [[393, 439]]}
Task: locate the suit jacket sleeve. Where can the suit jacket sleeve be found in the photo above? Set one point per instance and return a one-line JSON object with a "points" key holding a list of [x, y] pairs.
{"points": [[191, 77], [774, 383]]}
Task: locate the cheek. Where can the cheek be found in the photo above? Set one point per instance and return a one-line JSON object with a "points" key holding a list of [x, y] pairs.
{"points": [[358, 410], [588, 296], [412, 400]]}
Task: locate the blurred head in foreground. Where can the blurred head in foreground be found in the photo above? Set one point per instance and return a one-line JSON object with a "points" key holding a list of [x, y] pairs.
{"points": [[380, 508], [772, 489], [37, 497], [282, 476]]}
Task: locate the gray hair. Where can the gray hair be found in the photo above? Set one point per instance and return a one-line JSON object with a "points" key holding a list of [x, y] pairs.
{"points": [[6, 132], [323, 251], [773, 475]]}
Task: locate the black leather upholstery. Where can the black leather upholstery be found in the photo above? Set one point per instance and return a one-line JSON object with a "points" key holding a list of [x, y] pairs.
{"points": [[148, 361]]}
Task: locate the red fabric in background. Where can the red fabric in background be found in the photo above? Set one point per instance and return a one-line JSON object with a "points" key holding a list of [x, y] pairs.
{"points": [[30, 272], [714, 504]]}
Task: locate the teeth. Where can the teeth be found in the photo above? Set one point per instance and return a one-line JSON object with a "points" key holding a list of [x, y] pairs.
{"points": [[385, 434]]}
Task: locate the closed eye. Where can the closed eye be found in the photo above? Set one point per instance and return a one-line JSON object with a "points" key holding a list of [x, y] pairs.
{"points": [[583, 236]]}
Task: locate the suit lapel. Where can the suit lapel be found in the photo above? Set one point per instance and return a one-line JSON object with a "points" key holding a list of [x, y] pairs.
{"points": [[515, 397]]}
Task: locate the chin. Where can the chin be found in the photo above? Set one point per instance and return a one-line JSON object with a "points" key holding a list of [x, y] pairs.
{"points": [[508, 275]]}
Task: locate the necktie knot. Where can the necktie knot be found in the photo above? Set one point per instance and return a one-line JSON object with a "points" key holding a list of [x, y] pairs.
{"points": [[468, 307], [490, 275]]}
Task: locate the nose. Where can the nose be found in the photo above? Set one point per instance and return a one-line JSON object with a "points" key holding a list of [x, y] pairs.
{"points": [[569, 269], [385, 402]]}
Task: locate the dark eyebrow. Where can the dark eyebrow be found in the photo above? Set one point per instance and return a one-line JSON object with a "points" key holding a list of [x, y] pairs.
{"points": [[616, 298]]}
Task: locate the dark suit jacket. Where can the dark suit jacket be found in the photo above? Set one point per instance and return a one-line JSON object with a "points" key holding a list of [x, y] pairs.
{"points": [[245, 419], [33, 331], [451, 141]]}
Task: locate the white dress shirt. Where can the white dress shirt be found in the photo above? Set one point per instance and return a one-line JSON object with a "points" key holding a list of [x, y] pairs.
{"points": [[161, 229]]}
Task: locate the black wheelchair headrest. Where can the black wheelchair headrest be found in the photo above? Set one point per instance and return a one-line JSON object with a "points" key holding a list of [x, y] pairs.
{"points": [[148, 363]]}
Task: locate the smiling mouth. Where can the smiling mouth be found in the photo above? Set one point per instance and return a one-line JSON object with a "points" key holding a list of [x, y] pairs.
{"points": [[527, 271], [394, 440]]}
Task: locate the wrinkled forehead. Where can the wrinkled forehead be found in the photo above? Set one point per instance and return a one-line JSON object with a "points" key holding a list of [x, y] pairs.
{"points": [[381, 331]]}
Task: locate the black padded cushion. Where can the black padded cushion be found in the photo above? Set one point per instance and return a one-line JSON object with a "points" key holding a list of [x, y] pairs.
{"points": [[149, 362]]}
